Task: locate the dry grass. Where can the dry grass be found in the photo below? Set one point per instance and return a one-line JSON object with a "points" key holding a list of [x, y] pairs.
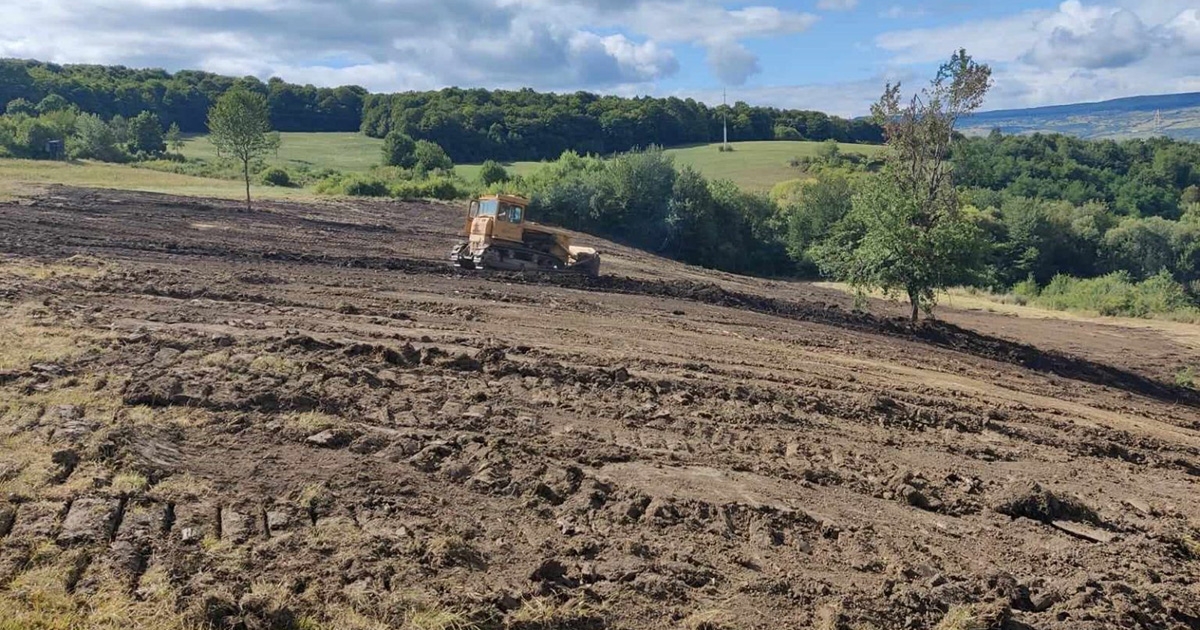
{"points": [[707, 620], [962, 618], [544, 613], [129, 484], [39, 598], [26, 465], [28, 335], [181, 487], [310, 422], [972, 300]]}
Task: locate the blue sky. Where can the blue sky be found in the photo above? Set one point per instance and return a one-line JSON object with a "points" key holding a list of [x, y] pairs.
{"points": [[830, 55]]}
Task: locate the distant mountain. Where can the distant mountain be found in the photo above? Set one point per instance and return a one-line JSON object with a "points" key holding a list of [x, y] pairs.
{"points": [[1174, 115]]}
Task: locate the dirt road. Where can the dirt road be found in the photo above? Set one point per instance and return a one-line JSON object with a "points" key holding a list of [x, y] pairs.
{"points": [[301, 416]]}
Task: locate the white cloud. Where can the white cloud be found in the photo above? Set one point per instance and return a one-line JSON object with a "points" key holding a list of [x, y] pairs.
{"points": [[1076, 52], [836, 5], [1090, 37], [401, 44], [731, 62]]}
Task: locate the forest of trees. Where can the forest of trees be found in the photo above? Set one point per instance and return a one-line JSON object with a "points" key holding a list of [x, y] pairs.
{"points": [[474, 125], [471, 125], [182, 98]]}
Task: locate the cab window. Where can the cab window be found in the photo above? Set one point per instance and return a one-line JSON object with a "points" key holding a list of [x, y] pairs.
{"points": [[489, 208], [510, 213]]}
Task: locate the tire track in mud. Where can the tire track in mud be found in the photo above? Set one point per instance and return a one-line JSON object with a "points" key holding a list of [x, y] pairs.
{"points": [[934, 333]]}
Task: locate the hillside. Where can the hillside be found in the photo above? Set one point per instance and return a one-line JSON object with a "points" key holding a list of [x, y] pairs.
{"points": [[1174, 115], [752, 165], [301, 417]]}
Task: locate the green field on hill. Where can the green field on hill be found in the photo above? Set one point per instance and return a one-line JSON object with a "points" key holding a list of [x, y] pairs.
{"points": [[752, 165], [346, 152]]}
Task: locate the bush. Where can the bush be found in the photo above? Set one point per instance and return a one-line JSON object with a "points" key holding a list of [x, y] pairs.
{"points": [[784, 132], [492, 173], [443, 188], [1187, 378], [275, 176], [431, 157], [725, 148], [146, 135], [20, 106], [1116, 294], [95, 139], [399, 150], [360, 186]]}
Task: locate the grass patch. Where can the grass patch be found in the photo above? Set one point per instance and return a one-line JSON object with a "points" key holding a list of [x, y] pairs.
{"points": [[757, 166], [340, 151], [26, 177], [182, 487], [754, 166], [28, 336], [544, 613]]}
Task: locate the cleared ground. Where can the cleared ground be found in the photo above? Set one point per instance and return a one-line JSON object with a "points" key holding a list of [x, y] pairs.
{"points": [[302, 417]]}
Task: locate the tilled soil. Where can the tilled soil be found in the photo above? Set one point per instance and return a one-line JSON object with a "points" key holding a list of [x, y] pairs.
{"points": [[308, 397]]}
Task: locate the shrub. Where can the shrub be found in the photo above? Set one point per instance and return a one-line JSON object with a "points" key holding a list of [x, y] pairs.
{"points": [[275, 176], [492, 173], [1186, 377], [784, 132], [1116, 294], [95, 139], [436, 188], [399, 150], [360, 186], [146, 135], [20, 106], [431, 157], [725, 148]]}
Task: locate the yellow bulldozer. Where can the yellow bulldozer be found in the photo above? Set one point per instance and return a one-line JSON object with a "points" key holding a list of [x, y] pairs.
{"points": [[498, 237]]}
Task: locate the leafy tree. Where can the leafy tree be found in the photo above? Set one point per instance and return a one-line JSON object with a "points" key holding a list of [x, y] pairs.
{"points": [[239, 126], [20, 106], [492, 172], [906, 231], [784, 132], [1141, 247], [52, 103], [811, 213], [829, 152], [146, 134], [399, 150], [431, 157], [95, 139], [174, 137]]}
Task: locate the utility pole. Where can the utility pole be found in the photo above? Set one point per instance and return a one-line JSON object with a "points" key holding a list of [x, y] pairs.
{"points": [[1158, 123], [725, 118]]}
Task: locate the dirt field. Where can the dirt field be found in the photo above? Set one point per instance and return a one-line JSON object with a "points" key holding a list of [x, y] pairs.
{"points": [[302, 417]]}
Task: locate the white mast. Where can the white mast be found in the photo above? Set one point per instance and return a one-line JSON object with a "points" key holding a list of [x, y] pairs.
{"points": [[725, 117]]}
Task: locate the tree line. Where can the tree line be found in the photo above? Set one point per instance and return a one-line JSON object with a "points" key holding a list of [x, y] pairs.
{"points": [[470, 124], [473, 125], [182, 98]]}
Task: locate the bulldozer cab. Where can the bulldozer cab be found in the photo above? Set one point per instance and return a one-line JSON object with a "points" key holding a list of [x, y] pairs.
{"points": [[497, 216], [502, 208]]}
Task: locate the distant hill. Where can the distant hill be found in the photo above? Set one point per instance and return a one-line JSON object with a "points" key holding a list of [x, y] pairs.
{"points": [[1133, 117]]}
